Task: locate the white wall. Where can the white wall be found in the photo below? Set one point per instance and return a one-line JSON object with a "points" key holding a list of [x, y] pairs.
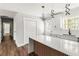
{"points": [[18, 29], [7, 13]]}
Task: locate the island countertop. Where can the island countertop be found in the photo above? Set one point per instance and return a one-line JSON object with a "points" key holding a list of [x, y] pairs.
{"points": [[68, 47]]}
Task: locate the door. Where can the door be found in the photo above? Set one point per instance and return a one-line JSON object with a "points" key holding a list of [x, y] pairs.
{"points": [[6, 25]]}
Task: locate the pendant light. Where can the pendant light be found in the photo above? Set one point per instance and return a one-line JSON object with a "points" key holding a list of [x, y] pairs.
{"points": [[67, 9]]}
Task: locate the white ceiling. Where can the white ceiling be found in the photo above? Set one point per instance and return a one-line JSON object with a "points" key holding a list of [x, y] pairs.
{"points": [[34, 8]]}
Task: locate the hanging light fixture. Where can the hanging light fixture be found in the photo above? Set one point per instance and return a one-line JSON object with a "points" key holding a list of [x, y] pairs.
{"points": [[52, 13], [43, 15], [43, 18], [68, 13], [67, 9]]}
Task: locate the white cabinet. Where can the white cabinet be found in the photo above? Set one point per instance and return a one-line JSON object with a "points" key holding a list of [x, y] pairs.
{"points": [[29, 29], [25, 27]]}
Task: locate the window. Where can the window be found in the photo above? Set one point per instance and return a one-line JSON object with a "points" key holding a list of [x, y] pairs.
{"points": [[70, 23]]}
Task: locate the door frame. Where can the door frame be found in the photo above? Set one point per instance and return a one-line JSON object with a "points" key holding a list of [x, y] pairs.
{"points": [[6, 19]]}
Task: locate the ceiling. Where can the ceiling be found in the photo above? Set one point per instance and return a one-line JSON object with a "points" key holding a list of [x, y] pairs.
{"points": [[34, 8]]}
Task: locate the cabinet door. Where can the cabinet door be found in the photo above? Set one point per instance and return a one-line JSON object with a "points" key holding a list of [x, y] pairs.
{"points": [[29, 29], [43, 50]]}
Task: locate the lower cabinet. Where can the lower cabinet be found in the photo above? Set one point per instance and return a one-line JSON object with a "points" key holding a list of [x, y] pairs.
{"points": [[43, 50]]}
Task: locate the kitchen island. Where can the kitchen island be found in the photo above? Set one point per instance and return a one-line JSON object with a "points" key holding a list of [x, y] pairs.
{"points": [[53, 46]]}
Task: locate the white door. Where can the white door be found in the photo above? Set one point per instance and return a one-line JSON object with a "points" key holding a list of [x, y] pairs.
{"points": [[29, 30]]}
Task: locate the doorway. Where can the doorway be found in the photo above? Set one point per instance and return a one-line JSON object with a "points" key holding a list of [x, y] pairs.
{"points": [[6, 25]]}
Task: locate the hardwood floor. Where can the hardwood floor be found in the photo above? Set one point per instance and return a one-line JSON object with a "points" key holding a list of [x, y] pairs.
{"points": [[23, 50]]}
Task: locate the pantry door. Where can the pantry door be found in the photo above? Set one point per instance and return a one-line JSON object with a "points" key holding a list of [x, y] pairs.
{"points": [[30, 28]]}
